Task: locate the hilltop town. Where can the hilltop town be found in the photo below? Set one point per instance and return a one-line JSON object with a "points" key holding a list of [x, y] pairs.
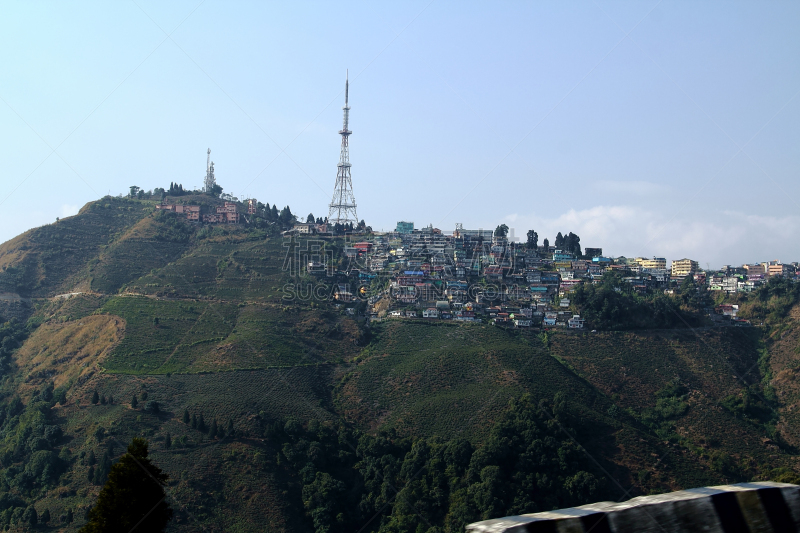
{"points": [[468, 275]]}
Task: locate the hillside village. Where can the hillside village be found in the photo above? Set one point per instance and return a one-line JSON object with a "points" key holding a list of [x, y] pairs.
{"points": [[470, 275], [474, 274]]}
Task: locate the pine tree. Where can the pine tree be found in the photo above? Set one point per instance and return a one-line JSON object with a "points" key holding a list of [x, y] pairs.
{"points": [[212, 433], [103, 399], [110, 400], [95, 397], [132, 496], [185, 416], [91, 459], [102, 470], [144, 395], [45, 518], [68, 519], [29, 517], [90, 474], [168, 441], [230, 427], [194, 421], [201, 424], [134, 402]]}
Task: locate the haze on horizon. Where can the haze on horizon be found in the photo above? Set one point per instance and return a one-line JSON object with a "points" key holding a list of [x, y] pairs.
{"points": [[647, 128]]}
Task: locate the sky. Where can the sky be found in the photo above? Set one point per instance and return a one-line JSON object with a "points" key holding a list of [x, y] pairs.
{"points": [[648, 128]]}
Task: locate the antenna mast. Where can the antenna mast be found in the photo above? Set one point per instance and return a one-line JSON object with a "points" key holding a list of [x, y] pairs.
{"points": [[209, 182], [343, 204]]}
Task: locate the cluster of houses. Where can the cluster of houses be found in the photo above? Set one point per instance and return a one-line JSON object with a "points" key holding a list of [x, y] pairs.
{"points": [[228, 213], [476, 275]]}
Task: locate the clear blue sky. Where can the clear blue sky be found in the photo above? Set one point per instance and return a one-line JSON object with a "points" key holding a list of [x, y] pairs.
{"points": [[648, 128]]}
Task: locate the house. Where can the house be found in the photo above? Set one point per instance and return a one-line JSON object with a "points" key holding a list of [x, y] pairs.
{"points": [[228, 212], [522, 322], [343, 294], [564, 302], [561, 255], [396, 314], [405, 227], [192, 212], [304, 228], [730, 310], [430, 312], [576, 322], [683, 267]]}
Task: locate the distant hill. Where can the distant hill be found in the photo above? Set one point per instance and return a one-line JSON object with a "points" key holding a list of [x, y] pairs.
{"points": [[334, 422]]}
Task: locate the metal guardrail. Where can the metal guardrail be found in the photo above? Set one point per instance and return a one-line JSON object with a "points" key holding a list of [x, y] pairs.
{"points": [[762, 507]]}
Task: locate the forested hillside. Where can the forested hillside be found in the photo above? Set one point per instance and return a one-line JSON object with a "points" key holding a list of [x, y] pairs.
{"points": [[276, 414]]}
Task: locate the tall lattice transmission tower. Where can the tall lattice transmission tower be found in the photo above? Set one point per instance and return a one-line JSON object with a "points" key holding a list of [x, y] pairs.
{"points": [[343, 205], [209, 182]]}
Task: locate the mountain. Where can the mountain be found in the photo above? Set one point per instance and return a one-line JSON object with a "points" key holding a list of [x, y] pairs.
{"points": [[303, 417]]}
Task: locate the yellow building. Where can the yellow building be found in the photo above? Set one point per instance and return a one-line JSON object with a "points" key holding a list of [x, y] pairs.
{"points": [[683, 267], [656, 263]]}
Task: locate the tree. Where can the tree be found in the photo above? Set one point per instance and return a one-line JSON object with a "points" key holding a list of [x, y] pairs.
{"points": [[310, 218], [559, 241], [212, 433], [132, 497], [29, 517], [201, 423], [546, 245], [229, 431], [103, 400], [152, 407], [103, 469], [168, 441], [533, 240], [45, 518], [186, 416], [95, 397], [501, 231], [110, 400], [134, 191], [194, 421], [286, 217], [134, 403], [573, 244]]}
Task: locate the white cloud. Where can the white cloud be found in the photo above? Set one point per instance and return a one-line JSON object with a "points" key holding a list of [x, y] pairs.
{"points": [[714, 238]]}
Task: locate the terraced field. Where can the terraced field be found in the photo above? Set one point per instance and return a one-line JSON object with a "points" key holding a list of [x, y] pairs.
{"points": [[449, 379], [52, 259]]}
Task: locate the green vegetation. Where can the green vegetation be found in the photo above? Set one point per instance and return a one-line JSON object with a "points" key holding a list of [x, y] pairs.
{"points": [[528, 463], [183, 336], [133, 496], [771, 302], [613, 305], [53, 258]]}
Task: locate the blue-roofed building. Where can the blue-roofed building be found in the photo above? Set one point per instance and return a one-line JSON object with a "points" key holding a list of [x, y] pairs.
{"points": [[404, 227]]}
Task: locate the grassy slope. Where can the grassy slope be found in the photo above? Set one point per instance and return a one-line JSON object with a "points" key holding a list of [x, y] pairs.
{"points": [[784, 368], [225, 313], [52, 259]]}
